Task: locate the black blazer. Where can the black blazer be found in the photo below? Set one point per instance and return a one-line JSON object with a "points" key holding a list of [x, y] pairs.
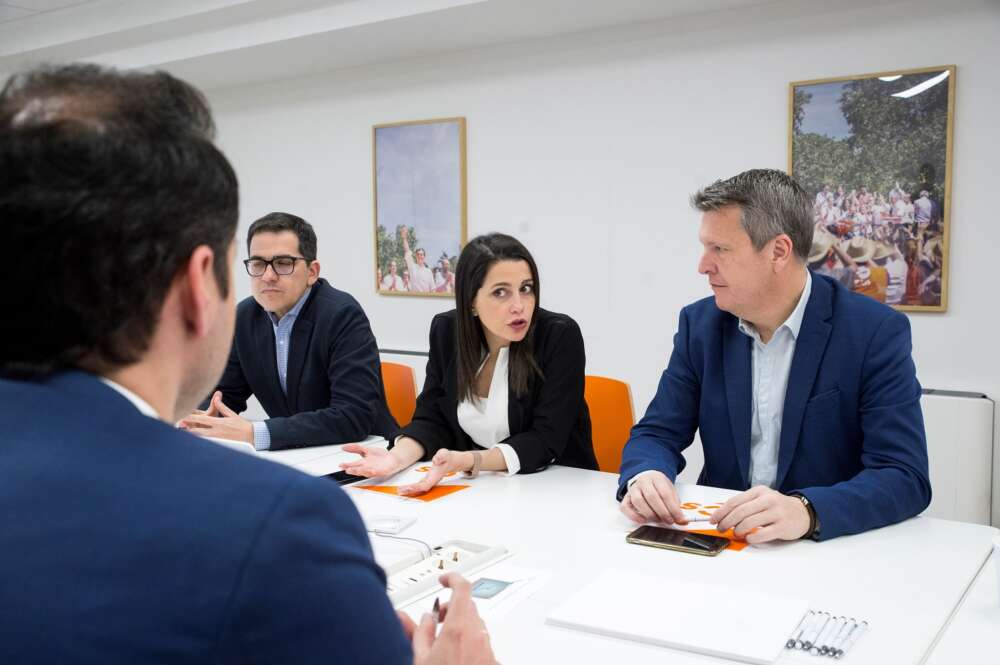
{"points": [[550, 424], [335, 392]]}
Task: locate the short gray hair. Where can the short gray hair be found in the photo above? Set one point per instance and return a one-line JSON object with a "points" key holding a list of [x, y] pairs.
{"points": [[772, 203]]}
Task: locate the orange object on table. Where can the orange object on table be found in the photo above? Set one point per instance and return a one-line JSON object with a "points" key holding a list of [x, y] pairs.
{"points": [[435, 492]]}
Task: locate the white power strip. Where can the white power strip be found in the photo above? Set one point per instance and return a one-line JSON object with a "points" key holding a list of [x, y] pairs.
{"points": [[408, 581]]}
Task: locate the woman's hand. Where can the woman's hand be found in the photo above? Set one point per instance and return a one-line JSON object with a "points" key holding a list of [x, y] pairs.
{"points": [[444, 462], [374, 461]]}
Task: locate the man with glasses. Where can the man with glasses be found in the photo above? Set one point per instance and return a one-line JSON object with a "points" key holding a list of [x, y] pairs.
{"points": [[303, 348]]}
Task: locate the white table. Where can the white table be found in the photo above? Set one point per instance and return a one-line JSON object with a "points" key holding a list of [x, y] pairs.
{"points": [[970, 639], [906, 580]]}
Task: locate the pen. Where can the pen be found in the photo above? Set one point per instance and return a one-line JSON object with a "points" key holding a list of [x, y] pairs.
{"points": [[436, 611], [814, 630], [852, 637], [799, 629], [819, 644]]}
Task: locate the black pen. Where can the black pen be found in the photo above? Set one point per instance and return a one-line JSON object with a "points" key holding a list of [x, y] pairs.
{"points": [[436, 611]]}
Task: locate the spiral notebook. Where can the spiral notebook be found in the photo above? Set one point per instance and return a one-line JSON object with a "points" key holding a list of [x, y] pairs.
{"points": [[682, 614]]}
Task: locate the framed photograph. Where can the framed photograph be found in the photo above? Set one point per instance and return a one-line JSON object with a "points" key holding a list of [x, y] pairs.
{"points": [[418, 174], [874, 153]]}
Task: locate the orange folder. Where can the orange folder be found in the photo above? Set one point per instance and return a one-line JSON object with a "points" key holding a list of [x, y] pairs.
{"points": [[435, 492], [734, 543]]}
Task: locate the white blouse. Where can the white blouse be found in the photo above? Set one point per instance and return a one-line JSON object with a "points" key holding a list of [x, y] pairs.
{"points": [[485, 420]]}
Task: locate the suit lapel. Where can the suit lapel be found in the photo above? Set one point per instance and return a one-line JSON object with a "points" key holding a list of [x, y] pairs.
{"points": [[263, 343], [738, 380], [809, 349], [515, 411], [297, 352]]}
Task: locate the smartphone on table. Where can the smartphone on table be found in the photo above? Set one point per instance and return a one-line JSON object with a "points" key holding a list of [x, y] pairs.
{"points": [[682, 541]]}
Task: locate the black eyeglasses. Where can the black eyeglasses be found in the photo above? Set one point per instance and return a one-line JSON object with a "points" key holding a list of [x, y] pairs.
{"points": [[281, 265]]}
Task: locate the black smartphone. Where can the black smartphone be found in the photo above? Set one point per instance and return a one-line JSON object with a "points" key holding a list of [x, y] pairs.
{"points": [[344, 478], [682, 541]]}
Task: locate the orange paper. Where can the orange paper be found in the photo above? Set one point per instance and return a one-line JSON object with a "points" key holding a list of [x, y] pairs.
{"points": [[734, 544], [435, 492]]}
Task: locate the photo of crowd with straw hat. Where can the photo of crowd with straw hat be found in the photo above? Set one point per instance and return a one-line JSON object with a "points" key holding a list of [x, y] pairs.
{"points": [[874, 152]]}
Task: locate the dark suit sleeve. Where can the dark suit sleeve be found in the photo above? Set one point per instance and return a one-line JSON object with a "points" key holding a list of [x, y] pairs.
{"points": [[429, 425], [233, 384], [894, 484], [559, 400], [309, 590], [353, 372], [658, 439]]}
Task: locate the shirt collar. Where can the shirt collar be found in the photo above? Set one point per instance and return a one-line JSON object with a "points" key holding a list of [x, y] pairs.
{"points": [[294, 311], [139, 403], [794, 320]]}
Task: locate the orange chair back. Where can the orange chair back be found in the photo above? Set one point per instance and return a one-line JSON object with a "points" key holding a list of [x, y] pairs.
{"points": [[611, 419], [400, 391]]}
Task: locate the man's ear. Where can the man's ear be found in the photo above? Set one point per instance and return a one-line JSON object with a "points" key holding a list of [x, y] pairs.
{"points": [[313, 272], [199, 290], [782, 251]]}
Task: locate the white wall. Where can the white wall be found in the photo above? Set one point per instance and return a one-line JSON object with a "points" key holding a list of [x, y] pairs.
{"points": [[587, 147]]}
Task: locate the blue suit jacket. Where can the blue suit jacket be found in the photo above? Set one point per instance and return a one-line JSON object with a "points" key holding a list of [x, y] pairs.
{"points": [[335, 392], [125, 540], [852, 433]]}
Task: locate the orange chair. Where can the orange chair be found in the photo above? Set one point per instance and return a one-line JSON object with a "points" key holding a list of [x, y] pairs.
{"points": [[611, 419], [400, 391]]}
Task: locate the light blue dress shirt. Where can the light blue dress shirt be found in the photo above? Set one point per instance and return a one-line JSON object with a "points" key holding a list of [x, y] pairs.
{"points": [[282, 340], [772, 363]]}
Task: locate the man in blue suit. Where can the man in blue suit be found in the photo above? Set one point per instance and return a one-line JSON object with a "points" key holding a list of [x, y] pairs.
{"points": [[304, 348], [123, 539], [804, 394]]}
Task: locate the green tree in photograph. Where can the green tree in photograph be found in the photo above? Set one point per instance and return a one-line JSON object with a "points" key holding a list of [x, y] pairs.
{"points": [[390, 248], [820, 160], [893, 140], [799, 100], [893, 137]]}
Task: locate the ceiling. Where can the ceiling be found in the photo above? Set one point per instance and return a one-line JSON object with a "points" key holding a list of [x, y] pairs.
{"points": [[225, 43]]}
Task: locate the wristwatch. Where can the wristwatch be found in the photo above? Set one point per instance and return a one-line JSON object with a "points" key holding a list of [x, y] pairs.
{"points": [[813, 532], [477, 462]]}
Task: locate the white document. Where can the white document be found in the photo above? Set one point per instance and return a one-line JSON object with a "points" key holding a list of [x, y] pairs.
{"points": [[698, 502], [728, 622], [318, 460]]}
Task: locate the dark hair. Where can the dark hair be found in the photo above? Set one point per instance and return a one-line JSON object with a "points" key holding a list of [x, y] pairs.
{"points": [[772, 203], [276, 222], [108, 182], [476, 259]]}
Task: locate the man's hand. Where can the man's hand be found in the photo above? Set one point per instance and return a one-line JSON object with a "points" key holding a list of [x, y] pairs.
{"points": [[219, 421], [762, 514], [374, 461], [444, 462], [653, 498], [463, 639]]}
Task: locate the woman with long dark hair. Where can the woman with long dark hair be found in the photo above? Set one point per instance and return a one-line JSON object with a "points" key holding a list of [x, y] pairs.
{"points": [[504, 384]]}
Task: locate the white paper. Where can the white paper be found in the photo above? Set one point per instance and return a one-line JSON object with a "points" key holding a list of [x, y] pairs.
{"points": [[742, 625]]}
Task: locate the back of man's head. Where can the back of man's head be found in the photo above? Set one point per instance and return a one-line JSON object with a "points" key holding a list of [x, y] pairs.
{"points": [[108, 181], [772, 203]]}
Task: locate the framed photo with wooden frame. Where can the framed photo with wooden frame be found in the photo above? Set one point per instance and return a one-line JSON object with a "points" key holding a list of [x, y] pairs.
{"points": [[419, 190], [874, 153]]}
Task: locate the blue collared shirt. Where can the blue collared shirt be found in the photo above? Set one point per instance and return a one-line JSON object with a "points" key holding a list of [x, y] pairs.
{"points": [[772, 363], [282, 340]]}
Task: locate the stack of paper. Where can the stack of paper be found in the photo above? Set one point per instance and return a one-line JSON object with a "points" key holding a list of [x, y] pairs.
{"points": [[748, 626]]}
